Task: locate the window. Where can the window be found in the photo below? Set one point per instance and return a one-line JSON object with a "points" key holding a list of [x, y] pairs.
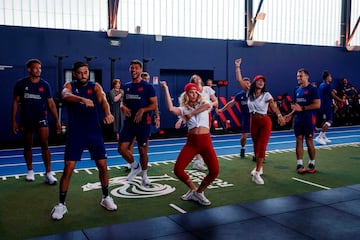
{"points": [[296, 21]]}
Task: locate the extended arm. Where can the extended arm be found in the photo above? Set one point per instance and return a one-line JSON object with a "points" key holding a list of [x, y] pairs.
{"points": [[227, 106], [174, 110], [238, 74]]}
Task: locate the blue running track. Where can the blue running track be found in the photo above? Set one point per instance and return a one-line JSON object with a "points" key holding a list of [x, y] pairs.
{"points": [[12, 162]]}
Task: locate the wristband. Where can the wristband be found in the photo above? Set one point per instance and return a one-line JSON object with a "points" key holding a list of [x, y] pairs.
{"points": [[303, 108]]}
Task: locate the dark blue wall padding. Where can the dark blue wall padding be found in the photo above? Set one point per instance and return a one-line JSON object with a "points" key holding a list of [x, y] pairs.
{"points": [[277, 62]]}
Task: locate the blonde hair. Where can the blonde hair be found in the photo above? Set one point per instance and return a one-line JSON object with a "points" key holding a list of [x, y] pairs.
{"points": [[184, 99], [192, 79]]}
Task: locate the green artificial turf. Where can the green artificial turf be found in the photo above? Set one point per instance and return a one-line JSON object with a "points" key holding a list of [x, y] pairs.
{"points": [[25, 206]]}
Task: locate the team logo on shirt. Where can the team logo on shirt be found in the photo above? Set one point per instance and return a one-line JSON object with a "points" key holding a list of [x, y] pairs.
{"points": [[41, 89], [140, 89], [89, 91]]}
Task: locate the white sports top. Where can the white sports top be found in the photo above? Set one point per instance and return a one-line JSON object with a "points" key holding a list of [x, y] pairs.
{"points": [[260, 104], [199, 120], [207, 92]]}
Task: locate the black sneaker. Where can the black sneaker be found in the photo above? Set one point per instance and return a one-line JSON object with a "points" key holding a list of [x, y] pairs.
{"points": [[311, 168], [242, 153], [301, 169]]}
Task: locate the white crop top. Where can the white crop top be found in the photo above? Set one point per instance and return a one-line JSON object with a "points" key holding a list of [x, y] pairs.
{"points": [[260, 104], [199, 120]]}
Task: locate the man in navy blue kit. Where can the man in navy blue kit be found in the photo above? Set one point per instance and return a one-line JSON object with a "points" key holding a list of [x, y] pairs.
{"points": [[34, 96], [241, 98], [325, 115], [307, 102], [84, 132], [138, 103]]}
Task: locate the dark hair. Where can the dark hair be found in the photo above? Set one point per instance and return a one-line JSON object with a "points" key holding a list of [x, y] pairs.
{"points": [[138, 62], [325, 74], [31, 61], [78, 65], [304, 71], [252, 90]]}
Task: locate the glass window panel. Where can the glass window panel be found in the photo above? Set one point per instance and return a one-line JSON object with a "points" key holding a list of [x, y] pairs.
{"points": [[296, 21], [355, 14]]}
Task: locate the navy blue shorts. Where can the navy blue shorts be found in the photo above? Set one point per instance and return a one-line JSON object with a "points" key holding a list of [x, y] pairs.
{"points": [[305, 129], [245, 123], [76, 145], [31, 126], [325, 115], [130, 130]]}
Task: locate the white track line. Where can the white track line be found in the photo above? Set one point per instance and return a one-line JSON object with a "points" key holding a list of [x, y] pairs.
{"points": [[310, 183], [177, 208]]}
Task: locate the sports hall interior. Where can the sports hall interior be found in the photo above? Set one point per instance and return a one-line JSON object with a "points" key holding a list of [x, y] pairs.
{"points": [[174, 59]]}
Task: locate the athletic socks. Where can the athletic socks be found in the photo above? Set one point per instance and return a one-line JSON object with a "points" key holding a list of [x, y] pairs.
{"points": [[105, 191], [62, 197], [134, 164]]}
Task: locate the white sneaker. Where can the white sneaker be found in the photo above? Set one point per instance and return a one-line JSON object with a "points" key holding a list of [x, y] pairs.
{"points": [[134, 172], [108, 203], [327, 140], [50, 179], [188, 195], [199, 165], [30, 176], [320, 140], [145, 182], [200, 198], [254, 170], [58, 211], [257, 179]]}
